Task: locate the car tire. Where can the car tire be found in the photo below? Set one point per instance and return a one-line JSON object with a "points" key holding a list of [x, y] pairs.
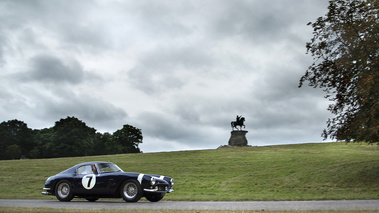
{"points": [[63, 191], [92, 199], [131, 191], [154, 197]]}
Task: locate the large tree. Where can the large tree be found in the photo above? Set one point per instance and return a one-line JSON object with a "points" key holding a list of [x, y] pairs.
{"points": [[69, 137], [128, 138], [72, 137], [45, 144], [345, 53], [16, 139]]}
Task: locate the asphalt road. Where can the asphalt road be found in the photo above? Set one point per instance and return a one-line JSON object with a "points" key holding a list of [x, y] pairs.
{"points": [[184, 205]]}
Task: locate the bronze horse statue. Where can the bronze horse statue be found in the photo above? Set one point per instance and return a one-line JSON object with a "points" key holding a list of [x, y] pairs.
{"points": [[239, 122]]}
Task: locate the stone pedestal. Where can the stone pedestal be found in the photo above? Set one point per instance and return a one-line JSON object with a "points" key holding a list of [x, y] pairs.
{"points": [[238, 138]]}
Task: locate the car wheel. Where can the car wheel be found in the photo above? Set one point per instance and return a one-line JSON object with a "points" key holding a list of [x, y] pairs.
{"points": [[154, 197], [63, 191], [131, 191], [92, 199]]}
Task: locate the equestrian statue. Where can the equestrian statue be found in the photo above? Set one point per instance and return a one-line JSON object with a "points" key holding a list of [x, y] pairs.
{"points": [[239, 122]]}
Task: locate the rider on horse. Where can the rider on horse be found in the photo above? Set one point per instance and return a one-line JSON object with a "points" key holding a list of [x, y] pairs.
{"points": [[238, 118], [239, 122]]}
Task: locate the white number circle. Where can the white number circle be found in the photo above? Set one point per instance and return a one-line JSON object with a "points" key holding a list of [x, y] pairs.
{"points": [[89, 181]]}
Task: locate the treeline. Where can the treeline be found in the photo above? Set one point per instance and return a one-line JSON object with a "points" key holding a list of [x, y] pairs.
{"points": [[69, 137]]}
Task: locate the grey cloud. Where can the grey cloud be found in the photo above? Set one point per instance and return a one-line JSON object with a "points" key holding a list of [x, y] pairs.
{"points": [[170, 127], [160, 20], [208, 111], [180, 71], [160, 70], [263, 22], [2, 49], [51, 69], [282, 105], [96, 112], [83, 38], [153, 81], [11, 102], [61, 102], [162, 127], [275, 108], [40, 108], [249, 19], [68, 23]]}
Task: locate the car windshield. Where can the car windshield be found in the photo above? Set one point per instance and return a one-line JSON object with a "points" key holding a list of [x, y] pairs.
{"points": [[108, 167]]}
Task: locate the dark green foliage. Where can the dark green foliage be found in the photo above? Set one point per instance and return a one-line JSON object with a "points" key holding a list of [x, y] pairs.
{"points": [[128, 137], [99, 143], [44, 139], [16, 139], [72, 137], [345, 54], [13, 151], [68, 138]]}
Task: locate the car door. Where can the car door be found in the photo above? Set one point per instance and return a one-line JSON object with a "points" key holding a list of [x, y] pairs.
{"points": [[86, 180], [107, 183], [89, 182], [108, 179]]}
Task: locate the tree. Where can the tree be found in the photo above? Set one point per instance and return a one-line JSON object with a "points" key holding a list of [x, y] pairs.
{"points": [[128, 137], [13, 151], [100, 143], [72, 137], [44, 140], [16, 136], [345, 53], [69, 137]]}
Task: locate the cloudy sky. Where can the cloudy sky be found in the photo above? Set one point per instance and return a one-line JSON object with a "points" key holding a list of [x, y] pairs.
{"points": [[178, 70]]}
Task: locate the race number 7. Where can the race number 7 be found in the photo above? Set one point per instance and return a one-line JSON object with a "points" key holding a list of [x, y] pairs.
{"points": [[89, 181]]}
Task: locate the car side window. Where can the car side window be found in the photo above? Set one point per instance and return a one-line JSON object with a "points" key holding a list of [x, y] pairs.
{"points": [[84, 170]]}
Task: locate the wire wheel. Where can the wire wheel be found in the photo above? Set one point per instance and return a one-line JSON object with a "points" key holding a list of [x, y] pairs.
{"points": [[63, 191], [131, 191]]}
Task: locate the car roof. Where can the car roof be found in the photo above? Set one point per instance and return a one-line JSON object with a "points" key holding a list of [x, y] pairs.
{"points": [[73, 168], [91, 162]]}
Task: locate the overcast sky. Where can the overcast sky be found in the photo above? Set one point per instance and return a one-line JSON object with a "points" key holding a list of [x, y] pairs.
{"points": [[178, 70]]}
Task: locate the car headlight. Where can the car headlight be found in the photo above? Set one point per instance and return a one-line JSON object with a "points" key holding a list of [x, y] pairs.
{"points": [[153, 181], [172, 181]]}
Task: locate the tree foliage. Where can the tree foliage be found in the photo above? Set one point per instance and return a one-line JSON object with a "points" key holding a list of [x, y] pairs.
{"points": [[345, 53], [67, 138], [16, 139], [72, 137], [128, 137]]}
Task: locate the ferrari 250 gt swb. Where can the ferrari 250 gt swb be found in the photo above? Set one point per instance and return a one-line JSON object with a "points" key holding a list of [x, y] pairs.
{"points": [[94, 180]]}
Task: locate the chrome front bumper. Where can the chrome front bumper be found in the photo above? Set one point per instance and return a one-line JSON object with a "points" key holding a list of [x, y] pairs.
{"points": [[159, 190], [46, 191], [156, 190]]}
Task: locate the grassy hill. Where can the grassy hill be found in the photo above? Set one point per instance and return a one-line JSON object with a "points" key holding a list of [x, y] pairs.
{"points": [[284, 172]]}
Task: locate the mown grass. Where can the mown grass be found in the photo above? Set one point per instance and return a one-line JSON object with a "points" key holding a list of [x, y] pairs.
{"points": [[320, 171], [50, 210]]}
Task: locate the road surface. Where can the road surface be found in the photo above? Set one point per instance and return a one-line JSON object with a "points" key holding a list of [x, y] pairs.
{"points": [[196, 205]]}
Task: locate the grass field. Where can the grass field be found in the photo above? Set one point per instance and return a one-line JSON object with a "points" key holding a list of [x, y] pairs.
{"points": [[314, 171], [50, 210]]}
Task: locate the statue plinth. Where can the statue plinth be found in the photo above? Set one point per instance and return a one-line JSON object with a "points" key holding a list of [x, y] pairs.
{"points": [[238, 138]]}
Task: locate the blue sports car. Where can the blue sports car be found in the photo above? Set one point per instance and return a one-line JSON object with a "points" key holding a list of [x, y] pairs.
{"points": [[94, 180]]}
